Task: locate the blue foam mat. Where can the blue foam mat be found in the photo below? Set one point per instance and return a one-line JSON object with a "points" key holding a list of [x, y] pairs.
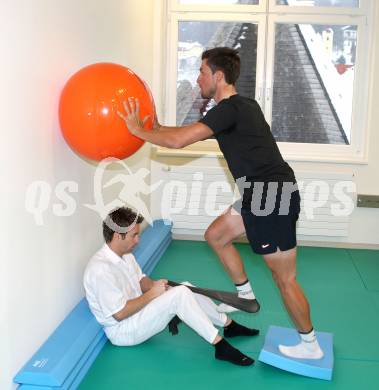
{"points": [[76, 376], [315, 368], [149, 267], [62, 350], [150, 239], [152, 264], [144, 259], [85, 363]]}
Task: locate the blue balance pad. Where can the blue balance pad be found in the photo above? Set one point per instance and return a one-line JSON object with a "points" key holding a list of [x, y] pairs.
{"points": [[315, 368]]}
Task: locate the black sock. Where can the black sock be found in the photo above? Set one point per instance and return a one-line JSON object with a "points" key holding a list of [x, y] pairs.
{"points": [[234, 329], [225, 351], [173, 325]]}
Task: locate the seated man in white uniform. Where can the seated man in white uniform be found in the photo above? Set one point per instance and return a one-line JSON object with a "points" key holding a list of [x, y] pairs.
{"points": [[132, 307]]}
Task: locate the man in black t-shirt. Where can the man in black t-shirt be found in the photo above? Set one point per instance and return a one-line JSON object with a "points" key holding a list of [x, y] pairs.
{"points": [[270, 202]]}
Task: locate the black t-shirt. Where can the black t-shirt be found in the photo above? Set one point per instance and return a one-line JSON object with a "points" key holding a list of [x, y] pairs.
{"points": [[246, 141]]}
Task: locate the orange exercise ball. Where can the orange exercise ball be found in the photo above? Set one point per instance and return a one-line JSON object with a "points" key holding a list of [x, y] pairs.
{"points": [[88, 111]]}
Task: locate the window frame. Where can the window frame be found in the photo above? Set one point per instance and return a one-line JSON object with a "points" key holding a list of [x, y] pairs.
{"points": [[362, 10], [172, 66], [265, 15], [175, 6], [355, 151]]}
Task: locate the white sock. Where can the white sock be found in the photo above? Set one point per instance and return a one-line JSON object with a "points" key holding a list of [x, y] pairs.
{"points": [[308, 348], [245, 291]]}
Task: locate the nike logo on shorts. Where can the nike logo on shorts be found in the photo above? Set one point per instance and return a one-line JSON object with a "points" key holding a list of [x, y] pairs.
{"points": [[265, 246]]}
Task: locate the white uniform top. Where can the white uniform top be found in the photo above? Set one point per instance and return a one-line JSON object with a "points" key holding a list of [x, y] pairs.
{"points": [[110, 281]]}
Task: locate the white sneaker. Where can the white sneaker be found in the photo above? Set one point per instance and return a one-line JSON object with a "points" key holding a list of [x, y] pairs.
{"points": [[224, 308], [300, 351]]}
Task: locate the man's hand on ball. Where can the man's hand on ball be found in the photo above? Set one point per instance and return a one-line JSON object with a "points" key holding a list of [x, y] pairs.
{"points": [[132, 117]]}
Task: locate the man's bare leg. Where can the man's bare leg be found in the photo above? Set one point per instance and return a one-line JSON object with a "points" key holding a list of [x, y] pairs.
{"points": [[283, 269], [220, 236]]}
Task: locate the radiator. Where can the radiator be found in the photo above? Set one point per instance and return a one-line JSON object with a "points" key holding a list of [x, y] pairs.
{"points": [[193, 196]]}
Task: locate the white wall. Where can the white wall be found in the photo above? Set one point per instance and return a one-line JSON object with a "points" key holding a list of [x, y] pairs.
{"points": [[42, 42]]}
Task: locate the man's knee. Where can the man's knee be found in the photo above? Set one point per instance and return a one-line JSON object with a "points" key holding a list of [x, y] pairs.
{"points": [[284, 282], [211, 235], [182, 290], [178, 294], [219, 235]]}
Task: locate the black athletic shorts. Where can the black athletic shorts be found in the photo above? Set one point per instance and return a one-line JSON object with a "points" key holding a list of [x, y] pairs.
{"points": [[270, 217]]}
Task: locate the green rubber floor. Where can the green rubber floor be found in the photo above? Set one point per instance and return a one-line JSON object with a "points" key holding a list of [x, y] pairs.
{"points": [[341, 285]]}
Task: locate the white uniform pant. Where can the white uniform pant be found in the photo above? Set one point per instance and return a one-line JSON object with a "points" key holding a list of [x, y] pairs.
{"points": [[197, 311]]}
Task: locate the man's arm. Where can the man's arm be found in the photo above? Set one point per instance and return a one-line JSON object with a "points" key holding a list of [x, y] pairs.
{"points": [[169, 137], [146, 284], [133, 306], [175, 137]]}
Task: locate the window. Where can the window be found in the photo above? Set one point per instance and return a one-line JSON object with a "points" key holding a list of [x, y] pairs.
{"points": [[313, 83], [193, 37], [304, 61]]}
